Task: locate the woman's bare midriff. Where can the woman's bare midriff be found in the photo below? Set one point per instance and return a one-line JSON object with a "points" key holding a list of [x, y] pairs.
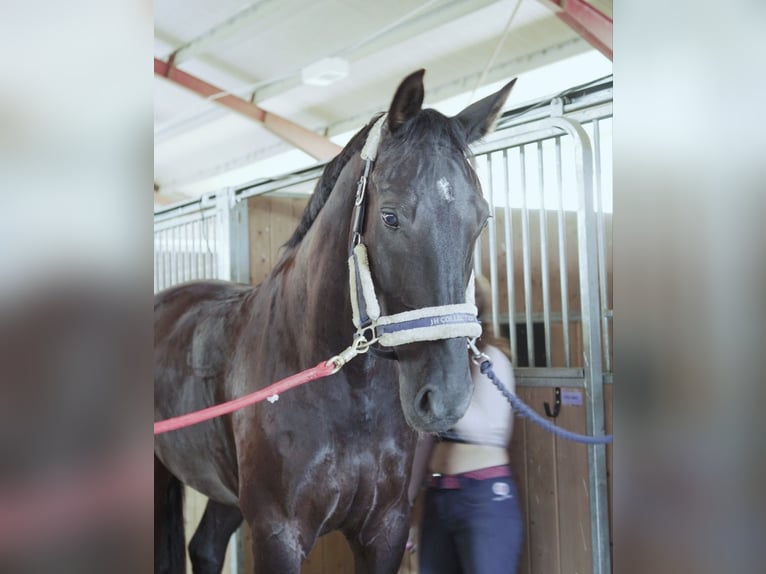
{"points": [[455, 457]]}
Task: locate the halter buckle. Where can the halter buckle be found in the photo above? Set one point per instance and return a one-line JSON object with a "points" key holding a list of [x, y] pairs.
{"points": [[359, 346], [477, 357], [360, 187]]}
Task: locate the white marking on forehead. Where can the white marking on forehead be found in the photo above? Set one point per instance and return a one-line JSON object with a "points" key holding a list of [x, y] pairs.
{"points": [[445, 189]]}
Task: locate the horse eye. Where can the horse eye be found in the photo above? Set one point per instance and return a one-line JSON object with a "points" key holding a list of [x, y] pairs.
{"points": [[390, 219]]}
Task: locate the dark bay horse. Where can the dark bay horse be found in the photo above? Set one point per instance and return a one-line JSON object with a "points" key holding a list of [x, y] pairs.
{"points": [[334, 454]]}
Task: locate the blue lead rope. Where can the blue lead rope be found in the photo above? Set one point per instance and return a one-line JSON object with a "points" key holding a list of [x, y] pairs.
{"points": [[526, 411]]}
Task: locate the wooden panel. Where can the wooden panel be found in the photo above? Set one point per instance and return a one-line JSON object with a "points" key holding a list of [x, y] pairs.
{"points": [[573, 492], [518, 454], [331, 555], [283, 223], [272, 221], [314, 563], [541, 490], [247, 549], [259, 211]]}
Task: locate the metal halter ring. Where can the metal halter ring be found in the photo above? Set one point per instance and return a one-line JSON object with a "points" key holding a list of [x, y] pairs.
{"points": [[360, 346], [477, 357]]}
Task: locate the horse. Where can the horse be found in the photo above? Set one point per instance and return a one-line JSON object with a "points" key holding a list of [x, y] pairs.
{"points": [[334, 454]]}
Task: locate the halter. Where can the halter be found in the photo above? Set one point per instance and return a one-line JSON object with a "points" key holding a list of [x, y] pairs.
{"points": [[424, 324]]}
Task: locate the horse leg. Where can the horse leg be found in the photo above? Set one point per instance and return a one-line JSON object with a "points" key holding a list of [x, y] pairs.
{"points": [[207, 548], [379, 548], [169, 552], [277, 547]]}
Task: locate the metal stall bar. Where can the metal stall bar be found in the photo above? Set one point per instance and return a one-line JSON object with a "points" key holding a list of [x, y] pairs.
{"points": [[509, 260], [527, 266], [167, 276], [544, 256], [173, 257], [199, 261], [188, 245], [594, 384], [177, 244], [207, 253], [166, 260], [179, 247], [210, 230], [218, 273], [157, 262], [188, 252], [156, 265], [492, 248], [222, 222], [601, 248], [160, 258], [563, 268], [202, 248], [239, 241], [194, 250]]}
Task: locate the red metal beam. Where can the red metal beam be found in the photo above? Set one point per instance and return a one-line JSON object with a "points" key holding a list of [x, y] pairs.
{"points": [[592, 24], [304, 139]]}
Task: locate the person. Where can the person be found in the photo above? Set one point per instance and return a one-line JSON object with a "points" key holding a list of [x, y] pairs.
{"points": [[471, 520]]}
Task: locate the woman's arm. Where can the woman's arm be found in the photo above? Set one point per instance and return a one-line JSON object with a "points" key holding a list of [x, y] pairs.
{"points": [[420, 464]]}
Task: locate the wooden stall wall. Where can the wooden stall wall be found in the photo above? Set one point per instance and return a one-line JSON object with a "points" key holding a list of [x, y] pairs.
{"points": [[551, 473], [272, 221]]}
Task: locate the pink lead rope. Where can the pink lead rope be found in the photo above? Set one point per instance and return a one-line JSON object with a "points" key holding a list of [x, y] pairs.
{"points": [[271, 392]]}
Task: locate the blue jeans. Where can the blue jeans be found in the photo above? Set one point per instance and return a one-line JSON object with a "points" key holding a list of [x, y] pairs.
{"points": [[476, 529]]}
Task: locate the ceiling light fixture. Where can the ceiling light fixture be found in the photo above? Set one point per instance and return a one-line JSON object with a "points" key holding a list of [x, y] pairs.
{"points": [[325, 72]]}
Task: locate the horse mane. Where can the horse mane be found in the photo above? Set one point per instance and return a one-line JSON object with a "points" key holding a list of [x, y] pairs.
{"points": [[327, 182]]}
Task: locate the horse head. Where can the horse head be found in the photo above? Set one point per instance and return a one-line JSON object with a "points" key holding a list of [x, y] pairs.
{"points": [[424, 213]]}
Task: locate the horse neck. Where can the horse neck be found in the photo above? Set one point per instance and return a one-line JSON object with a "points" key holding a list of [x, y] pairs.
{"points": [[318, 279]]}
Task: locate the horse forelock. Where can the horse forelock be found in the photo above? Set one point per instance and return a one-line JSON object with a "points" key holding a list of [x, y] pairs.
{"points": [[432, 128]]}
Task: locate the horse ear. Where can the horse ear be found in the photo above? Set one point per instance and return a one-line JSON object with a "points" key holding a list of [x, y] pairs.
{"points": [[478, 118], [407, 100]]}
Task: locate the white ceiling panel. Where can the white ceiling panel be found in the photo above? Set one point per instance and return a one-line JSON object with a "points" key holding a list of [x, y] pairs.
{"points": [[256, 50]]}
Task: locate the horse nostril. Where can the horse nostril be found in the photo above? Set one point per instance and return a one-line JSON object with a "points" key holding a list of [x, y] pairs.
{"points": [[424, 401]]}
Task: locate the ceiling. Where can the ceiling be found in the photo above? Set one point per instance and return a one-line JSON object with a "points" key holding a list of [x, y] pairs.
{"points": [[256, 51]]}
